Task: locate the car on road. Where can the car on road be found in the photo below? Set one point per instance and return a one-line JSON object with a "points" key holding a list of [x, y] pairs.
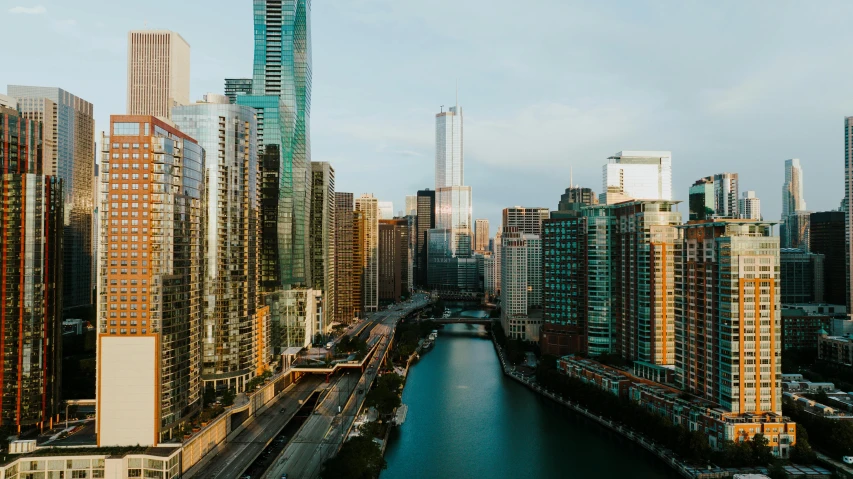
{"points": [[281, 410], [284, 476]]}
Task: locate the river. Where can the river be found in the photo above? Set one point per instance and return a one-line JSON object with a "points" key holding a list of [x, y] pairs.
{"points": [[466, 420]]}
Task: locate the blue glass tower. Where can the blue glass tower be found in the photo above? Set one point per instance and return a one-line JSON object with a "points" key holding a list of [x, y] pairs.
{"points": [[281, 92]]}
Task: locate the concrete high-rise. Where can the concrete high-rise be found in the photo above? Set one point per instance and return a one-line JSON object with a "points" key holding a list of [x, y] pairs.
{"points": [[323, 208], [728, 346], [714, 197], [801, 276], [158, 72], [424, 221], [151, 279], [368, 206], [237, 86], [749, 206], [411, 205], [641, 175], [481, 235], [347, 257], [847, 205], [31, 277], [281, 92], [521, 284], [69, 154], [232, 319], [528, 220], [826, 237], [386, 210], [576, 197]]}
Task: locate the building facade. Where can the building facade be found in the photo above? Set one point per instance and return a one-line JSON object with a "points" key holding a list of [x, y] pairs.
{"points": [[826, 237], [150, 281], [347, 300], [368, 206], [158, 72], [528, 220], [31, 229], [323, 208], [728, 347], [449, 152], [517, 250], [411, 205], [576, 197], [237, 86], [424, 222], [481, 235], [228, 135], [69, 154], [792, 189], [714, 197], [642, 175], [750, 206], [393, 259], [801, 276]]}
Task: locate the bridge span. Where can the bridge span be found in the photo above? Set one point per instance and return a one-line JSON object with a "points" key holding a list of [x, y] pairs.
{"points": [[462, 320]]}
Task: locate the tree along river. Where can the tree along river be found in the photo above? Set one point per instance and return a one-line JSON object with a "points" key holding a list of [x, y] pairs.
{"points": [[466, 419]]}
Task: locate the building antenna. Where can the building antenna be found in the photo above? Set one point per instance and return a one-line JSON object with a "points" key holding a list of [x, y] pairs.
{"points": [[457, 95], [442, 108], [571, 177]]}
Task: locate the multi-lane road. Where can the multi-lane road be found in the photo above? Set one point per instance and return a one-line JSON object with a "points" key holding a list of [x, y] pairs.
{"points": [[323, 433]]}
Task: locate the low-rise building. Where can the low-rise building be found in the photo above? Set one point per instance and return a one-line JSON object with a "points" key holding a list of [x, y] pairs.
{"points": [[835, 349], [800, 328], [118, 463]]}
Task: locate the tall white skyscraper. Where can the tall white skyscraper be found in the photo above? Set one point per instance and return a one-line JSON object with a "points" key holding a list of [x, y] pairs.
{"points": [[749, 206], [386, 210], [368, 206], [158, 72], [449, 159], [640, 175], [792, 189], [411, 205]]}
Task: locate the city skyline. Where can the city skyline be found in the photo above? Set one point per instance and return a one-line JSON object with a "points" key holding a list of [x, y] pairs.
{"points": [[360, 144]]}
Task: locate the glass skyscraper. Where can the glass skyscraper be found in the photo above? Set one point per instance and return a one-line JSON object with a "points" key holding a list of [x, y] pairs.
{"points": [[69, 153], [281, 91], [449, 160]]}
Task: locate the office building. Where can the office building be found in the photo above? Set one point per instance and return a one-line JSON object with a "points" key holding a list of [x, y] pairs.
{"points": [[411, 205], [228, 135], [521, 256], [424, 222], [360, 257], [728, 348], [481, 235], [794, 232], [386, 210], [576, 197], [8, 102], [368, 206], [826, 237], [31, 277], [491, 275], [453, 212], [801, 324], [528, 220], [151, 281], [281, 92], [714, 197], [347, 276], [449, 153], [601, 311], [322, 235], [69, 153], [749, 206], [237, 86], [393, 259], [158, 72], [296, 318], [641, 175], [801, 276]]}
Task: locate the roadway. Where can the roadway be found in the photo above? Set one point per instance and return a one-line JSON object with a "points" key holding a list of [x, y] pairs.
{"points": [[324, 432], [237, 455]]}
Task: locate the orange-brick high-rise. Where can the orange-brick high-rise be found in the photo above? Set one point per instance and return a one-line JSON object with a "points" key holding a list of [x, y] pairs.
{"points": [[149, 281]]}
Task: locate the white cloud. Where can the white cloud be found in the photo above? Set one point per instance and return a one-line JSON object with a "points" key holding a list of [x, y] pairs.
{"points": [[37, 10]]}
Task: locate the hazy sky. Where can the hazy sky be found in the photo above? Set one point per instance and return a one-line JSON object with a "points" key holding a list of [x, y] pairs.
{"points": [[545, 85]]}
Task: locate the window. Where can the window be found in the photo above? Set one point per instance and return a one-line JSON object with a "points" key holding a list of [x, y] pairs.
{"points": [[123, 128]]}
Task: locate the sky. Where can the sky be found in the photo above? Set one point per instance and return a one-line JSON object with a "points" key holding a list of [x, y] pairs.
{"points": [[547, 87]]}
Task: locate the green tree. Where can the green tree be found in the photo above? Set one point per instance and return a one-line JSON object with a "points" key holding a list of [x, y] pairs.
{"points": [[761, 452], [359, 458], [228, 397], [391, 381], [383, 399]]}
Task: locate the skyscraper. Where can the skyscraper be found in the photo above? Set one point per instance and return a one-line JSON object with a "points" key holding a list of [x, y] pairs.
{"points": [[801, 276], [368, 206], [847, 204], [576, 197], [411, 205], [714, 196], [281, 92], [347, 277], [393, 259], [792, 189], [69, 153], [521, 284], [732, 359], [794, 230], [237, 86], [453, 212], [481, 235], [158, 72], [386, 210], [425, 221], [449, 153], [150, 281], [749, 206], [323, 235], [826, 237], [228, 133], [641, 175], [30, 277]]}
